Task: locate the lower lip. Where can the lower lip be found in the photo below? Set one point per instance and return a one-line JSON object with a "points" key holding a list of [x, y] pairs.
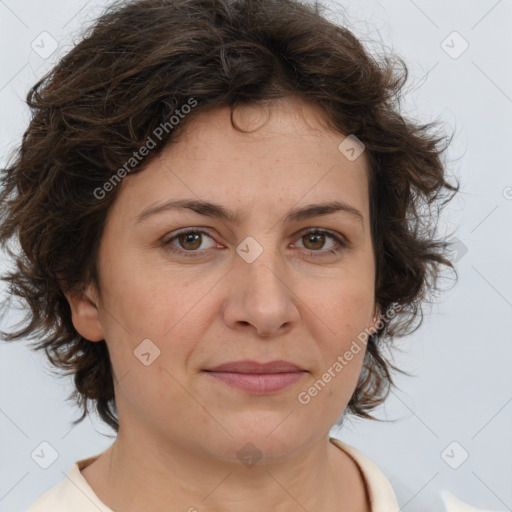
{"points": [[259, 382]]}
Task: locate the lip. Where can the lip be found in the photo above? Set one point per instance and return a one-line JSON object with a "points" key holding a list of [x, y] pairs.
{"points": [[247, 366], [258, 378]]}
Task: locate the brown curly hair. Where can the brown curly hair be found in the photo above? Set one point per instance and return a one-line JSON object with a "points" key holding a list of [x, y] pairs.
{"points": [[137, 64]]}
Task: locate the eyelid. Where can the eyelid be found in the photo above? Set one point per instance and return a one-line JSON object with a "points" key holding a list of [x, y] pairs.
{"points": [[166, 241], [342, 242], [326, 231], [338, 237]]}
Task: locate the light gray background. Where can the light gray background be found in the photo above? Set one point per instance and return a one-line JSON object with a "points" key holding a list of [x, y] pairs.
{"points": [[461, 356]]}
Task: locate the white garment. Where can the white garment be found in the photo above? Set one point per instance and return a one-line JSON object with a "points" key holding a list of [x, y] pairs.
{"points": [[75, 495]]}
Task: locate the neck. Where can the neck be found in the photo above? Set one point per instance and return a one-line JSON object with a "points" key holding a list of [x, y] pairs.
{"points": [[163, 476]]}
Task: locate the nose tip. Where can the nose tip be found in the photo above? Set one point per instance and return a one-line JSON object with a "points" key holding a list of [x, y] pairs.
{"points": [[259, 298]]}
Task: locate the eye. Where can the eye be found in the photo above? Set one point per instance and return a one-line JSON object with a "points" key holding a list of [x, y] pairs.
{"points": [[189, 241], [315, 240]]}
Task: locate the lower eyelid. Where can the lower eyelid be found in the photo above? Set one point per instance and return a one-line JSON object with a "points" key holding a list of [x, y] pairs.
{"points": [[337, 239], [168, 242]]}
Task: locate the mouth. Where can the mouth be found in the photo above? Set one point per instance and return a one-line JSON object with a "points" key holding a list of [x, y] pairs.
{"points": [[258, 378]]}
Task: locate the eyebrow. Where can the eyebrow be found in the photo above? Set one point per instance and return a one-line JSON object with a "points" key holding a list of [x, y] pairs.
{"points": [[218, 211]]}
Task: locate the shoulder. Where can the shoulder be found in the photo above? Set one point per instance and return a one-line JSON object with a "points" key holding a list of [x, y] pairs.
{"points": [[72, 493], [380, 492], [382, 495], [54, 499]]}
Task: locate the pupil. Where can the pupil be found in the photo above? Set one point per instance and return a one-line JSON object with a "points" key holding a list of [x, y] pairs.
{"points": [[190, 238], [318, 237]]}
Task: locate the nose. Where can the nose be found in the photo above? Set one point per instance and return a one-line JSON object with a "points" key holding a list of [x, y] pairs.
{"points": [[260, 297]]}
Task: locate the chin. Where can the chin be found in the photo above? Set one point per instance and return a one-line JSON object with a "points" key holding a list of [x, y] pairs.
{"points": [[253, 441]]}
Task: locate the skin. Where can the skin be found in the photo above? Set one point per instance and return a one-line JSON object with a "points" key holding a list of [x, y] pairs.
{"points": [[180, 429]]}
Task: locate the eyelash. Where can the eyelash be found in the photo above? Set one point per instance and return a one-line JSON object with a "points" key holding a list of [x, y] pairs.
{"points": [[315, 254]]}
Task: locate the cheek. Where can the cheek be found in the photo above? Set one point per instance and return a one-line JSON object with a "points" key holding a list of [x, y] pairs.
{"points": [[173, 318], [154, 393], [154, 301], [342, 318], [343, 307]]}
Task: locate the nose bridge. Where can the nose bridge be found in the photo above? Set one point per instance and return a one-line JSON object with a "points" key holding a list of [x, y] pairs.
{"points": [[266, 274], [260, 294]]}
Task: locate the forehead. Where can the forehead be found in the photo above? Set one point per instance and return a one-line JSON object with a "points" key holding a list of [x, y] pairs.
{"points": [[280, 123], [285, 153]]}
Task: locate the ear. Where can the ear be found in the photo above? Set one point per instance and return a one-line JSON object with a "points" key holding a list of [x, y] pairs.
{"points": [[374, 321], [85, 313]]}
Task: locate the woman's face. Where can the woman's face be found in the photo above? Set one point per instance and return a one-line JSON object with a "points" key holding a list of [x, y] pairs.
{"points": [[259, 286]]}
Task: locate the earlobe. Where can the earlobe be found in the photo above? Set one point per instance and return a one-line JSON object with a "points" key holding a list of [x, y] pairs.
{"points": [[376, 318], [85, 314]]}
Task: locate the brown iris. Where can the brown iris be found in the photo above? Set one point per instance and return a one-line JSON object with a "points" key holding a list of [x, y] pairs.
{"points": [[192, 238], [315, 237]]}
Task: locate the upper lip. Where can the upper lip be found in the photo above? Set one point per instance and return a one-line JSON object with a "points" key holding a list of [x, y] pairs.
{"points": [[247, 366]]}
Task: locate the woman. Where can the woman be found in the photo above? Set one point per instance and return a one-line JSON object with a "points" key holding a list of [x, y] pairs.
{"points": [[222, 217]]}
